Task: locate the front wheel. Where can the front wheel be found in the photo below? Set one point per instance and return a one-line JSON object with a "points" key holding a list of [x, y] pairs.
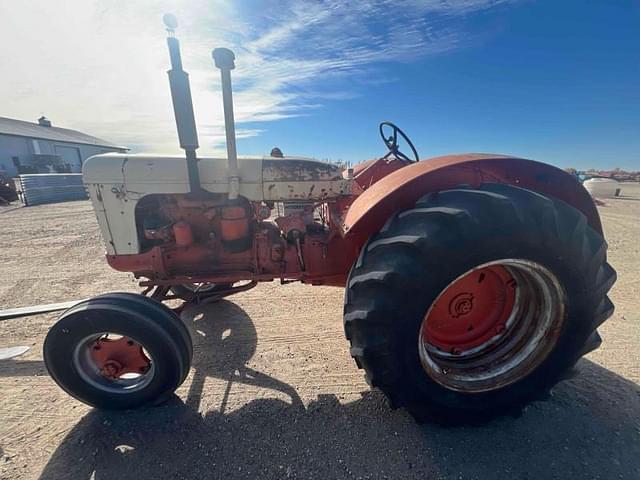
{"points": [[118, 351], [476, 301]]}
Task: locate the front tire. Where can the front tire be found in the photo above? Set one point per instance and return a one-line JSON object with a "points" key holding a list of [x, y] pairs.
{"points": [[118, 351], [476, 301]]}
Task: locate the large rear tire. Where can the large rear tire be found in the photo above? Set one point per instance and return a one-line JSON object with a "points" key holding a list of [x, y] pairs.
{"points": [[119, 351], [476, 301]]}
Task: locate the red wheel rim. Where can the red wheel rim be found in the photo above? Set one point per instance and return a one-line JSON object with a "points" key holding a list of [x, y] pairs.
{"points": [[492, 326], [472, 310], [113, 363], [116, 358]]}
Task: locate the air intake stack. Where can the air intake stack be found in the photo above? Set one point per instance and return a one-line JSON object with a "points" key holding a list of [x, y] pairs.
{"points": [[224, 60]]}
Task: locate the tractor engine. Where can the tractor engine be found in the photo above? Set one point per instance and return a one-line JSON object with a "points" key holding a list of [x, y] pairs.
{"points": [[287, 212], [166, 219], [213, 234]]}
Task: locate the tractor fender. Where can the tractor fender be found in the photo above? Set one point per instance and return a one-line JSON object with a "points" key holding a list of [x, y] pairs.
{"points": [[402, 188]]}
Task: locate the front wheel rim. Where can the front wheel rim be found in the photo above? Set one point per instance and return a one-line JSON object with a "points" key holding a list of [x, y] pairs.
{"points": [[492, 326], [113, 363]]}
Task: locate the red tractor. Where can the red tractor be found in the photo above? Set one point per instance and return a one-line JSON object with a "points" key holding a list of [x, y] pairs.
{"points": [[473, 282]]}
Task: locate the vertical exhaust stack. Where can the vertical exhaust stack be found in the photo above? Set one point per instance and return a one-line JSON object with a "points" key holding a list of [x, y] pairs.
{"points": [[224, 60], [183, 106]]}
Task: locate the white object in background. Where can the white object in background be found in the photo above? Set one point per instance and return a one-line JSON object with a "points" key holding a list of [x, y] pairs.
{"points": [[12, 352], [602, 187]]}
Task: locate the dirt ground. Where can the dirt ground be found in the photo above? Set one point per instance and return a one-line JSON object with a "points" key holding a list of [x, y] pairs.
{"points": [[273, 392]]}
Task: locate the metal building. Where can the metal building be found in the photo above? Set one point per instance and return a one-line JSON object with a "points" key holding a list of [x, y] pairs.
{"points": [[27, 147]]}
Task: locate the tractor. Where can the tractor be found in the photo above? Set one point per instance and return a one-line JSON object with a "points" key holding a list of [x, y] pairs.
{"points": [[473, 283]]}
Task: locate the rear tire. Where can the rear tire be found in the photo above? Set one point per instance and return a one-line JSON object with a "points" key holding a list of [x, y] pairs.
{"points": [[406, 270], [118, 351]]}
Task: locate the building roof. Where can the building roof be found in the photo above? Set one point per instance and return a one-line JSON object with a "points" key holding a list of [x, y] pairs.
{"points": [[20, 128]]}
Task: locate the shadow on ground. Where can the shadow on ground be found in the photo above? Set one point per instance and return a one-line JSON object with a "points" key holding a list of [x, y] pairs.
{"points": [[627, 197], [588, 429]]}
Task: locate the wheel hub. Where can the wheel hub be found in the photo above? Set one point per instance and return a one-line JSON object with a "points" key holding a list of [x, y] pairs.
{"points": [[471, 311], [492, 325], [115, 358]]}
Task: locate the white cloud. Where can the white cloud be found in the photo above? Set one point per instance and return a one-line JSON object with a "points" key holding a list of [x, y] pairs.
{"points": [[99, 66]]}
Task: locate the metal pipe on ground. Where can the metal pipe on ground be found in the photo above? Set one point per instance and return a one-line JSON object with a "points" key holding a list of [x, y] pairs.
{"points": [[36, 309]]}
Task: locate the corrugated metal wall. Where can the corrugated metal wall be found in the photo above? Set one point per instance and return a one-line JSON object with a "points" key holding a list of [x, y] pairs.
{"points": [[52, 188]]}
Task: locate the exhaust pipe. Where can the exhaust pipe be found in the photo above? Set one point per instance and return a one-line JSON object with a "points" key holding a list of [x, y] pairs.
{"points": [[183, 106], [224, 60]]}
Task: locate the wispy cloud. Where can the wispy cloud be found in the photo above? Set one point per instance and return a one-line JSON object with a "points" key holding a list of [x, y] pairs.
{"points": [[99, 66]]}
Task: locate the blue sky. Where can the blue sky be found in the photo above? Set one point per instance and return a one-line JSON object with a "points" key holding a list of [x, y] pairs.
{"points": [[556, 81]]}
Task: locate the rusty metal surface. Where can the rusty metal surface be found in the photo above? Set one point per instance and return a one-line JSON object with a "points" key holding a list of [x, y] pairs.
{"points": [[364, 178], [301, 179], [284, 170], [312, 190], [402, 188], [271, 254]]}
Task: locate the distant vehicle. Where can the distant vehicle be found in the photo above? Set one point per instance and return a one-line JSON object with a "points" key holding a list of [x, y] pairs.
{"points": [[8, 191]]}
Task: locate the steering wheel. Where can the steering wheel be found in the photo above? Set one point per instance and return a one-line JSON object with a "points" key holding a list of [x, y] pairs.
{"points": [[392, 142]]}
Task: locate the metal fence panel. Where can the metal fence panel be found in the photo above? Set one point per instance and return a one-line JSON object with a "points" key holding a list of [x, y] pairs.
{"points": [[52, 188]]}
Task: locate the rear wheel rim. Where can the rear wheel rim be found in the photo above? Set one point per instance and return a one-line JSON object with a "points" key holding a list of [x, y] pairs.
{"points": [[492, 326], [113, 363]]}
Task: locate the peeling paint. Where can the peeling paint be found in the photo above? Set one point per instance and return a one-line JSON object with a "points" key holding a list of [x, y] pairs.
{"points": [[283, 170]]}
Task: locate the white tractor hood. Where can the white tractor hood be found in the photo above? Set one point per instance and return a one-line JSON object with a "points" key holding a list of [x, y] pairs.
{"points": [[261, 178], [116, 182]]}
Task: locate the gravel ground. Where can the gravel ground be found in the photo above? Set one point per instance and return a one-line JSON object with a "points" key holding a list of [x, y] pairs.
{"points": [[273, 392]]}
